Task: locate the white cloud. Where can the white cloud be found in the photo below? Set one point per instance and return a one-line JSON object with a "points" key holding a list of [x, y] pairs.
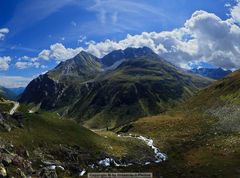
{"points": [[235, 12], [44, 54], [227, 5], [14, 81], [3, 32], [25, 65], [204, 38], [59, 52], [56, 52], [81, 39], [27, 58], [4, 62]]}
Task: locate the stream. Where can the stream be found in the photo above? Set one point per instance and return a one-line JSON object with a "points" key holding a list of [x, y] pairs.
{"points": [[107, 162]]}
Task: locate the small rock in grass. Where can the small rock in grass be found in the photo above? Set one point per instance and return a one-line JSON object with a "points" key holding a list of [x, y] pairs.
{"points": [[3, 172]]}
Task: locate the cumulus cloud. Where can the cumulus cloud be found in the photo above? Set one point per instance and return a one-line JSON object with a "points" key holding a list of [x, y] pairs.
{"points": [[217, 39], [3, 32], [204, 37], [56, 52], [4, 62], [235, 12], [59, 52]]}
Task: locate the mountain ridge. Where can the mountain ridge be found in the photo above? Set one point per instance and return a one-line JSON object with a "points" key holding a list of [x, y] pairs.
{"points": [[214, 73], [7, 93], [143, 84]]}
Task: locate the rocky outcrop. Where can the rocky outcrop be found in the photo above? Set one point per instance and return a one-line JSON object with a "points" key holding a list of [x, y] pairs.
{"points": [[42, 90], [11, 163], [9, 122]]}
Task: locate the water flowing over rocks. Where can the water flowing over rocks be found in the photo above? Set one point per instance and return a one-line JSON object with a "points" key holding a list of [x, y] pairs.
{"points": [[108, 161], [159, 156]]}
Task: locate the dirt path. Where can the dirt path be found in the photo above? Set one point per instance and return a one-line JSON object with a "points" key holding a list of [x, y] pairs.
{"points": [[15, 107]]}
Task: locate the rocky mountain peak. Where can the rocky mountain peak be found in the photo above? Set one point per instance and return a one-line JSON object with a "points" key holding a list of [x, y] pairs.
{"points": [[128, 53]]}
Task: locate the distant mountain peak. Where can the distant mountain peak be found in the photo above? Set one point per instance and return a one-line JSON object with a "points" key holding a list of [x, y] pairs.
{"points": [[83, 66], [142, 50], [128, 53], [214, 73], [7, 93], [84, 53]]}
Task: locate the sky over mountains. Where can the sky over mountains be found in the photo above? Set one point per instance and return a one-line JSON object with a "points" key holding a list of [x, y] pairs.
{"points": [[36, 35]]}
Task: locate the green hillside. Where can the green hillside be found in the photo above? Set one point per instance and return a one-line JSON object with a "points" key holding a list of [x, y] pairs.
{"points": [[139, 87], [201, 136], [222, 100], [46, 137]]}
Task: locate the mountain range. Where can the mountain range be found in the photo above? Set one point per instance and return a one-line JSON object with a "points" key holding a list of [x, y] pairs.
{"points": [[213, 73], [192, 119], [120, 87], [7, 93], [18, 91]]}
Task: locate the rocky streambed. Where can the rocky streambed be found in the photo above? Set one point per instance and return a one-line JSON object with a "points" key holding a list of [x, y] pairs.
{"points": [[111, 162]]}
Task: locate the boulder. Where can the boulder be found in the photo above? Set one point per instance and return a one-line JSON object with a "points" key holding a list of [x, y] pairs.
{"points": [[6, 159], [18, 116], [3, 171], [48, 173]]}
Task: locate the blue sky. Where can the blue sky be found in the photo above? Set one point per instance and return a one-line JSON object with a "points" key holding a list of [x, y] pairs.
{"points": [[31, 26]]}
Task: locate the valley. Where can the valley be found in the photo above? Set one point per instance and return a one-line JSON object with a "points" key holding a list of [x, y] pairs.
{"points": [[119, 89], [139, 113]]}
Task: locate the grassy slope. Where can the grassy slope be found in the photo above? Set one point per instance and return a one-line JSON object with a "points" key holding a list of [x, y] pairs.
{"points": [[195, 137], [189, 136], [225, 91], [45, 133], [137, 88], [49, 129], [193, 146]]}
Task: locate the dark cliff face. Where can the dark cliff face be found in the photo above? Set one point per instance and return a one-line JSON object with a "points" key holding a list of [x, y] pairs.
{"points": [[42, 90], [143, 84], [59, 87], [216, 74]]}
